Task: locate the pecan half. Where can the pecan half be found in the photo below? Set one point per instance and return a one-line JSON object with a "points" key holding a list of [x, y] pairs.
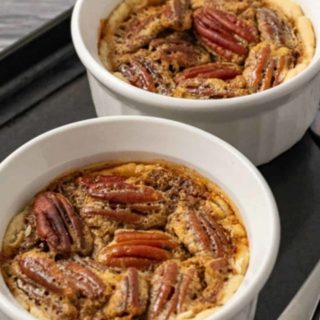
{"points": [[210, 234], [119, 215], [123, 192], [43, 271], [223, 33], [121, 201], [85, 281], [178, 52], [130, 297], [59, 225], [224, 71], [154, 239], [275, 29], [163, 284], [267, 67], [140, 249], [135, 250], [177, 15], [146, 74], [172, 290], [200, 233]]}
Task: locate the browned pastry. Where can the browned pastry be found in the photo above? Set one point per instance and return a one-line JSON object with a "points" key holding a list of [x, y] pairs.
{"points": [[153, 46], [126, 241]]}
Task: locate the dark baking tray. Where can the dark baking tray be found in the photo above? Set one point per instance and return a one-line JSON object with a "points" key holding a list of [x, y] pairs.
{"points": [[43, 86]]}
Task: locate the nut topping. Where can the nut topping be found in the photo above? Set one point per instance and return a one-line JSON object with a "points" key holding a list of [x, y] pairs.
{"points": [[119, 215], [138, 251], [154, 239], [178, 52], [43, 271], [223, 33], [231, 23], [275, 30], [267, 67], [209, 233], [141, 249], [124, 200], [59, 225], [85, 281], [224, 71], [200, 233], [123, 192], [177, 15], [137, 73], [161, 290], [130, 297], [146, 74], [172, 289], [151, 44]]}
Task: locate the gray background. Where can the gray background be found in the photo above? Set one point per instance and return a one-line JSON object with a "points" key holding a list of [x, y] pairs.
{"points": [[19, 17]]}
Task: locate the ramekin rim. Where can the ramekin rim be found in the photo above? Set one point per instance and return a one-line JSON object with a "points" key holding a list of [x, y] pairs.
{"points": [[167, 103], [258, 280]]}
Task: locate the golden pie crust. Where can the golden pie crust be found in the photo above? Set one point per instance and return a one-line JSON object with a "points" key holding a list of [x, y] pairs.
{"points": [[127, 36], [126, 241]]}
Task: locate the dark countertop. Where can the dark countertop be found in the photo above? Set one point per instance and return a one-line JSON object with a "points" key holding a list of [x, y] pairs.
{"points": [[20, 17]]}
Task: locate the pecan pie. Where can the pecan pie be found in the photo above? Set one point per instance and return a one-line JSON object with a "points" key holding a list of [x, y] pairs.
{"points": [[206, 49], [126, 241]]}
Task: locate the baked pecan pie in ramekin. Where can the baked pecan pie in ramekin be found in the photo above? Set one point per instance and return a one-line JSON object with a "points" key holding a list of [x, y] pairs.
{"points": [[206, 49], [126, 241]]}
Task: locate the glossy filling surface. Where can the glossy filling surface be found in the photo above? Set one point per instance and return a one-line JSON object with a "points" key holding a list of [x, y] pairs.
{"points": [[206, 49], [126, 241]]}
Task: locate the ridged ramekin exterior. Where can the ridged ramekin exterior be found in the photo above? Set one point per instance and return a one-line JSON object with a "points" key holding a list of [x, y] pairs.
{"points": [[261, 136]]}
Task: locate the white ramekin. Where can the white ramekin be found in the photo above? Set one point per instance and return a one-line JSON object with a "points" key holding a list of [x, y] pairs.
{"points": [[34, 165], [261, 125]]}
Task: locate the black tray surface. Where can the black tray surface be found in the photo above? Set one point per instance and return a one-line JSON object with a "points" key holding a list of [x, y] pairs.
{"points": [[294, 178], [60, 95]]}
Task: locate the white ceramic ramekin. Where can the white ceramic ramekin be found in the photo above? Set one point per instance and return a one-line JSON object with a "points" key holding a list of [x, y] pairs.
{"points": [[34, 165], [261, 125]]}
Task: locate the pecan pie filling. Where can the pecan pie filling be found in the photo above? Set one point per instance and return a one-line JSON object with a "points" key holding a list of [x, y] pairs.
{"points": [[143, 241], [206, 49]]}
